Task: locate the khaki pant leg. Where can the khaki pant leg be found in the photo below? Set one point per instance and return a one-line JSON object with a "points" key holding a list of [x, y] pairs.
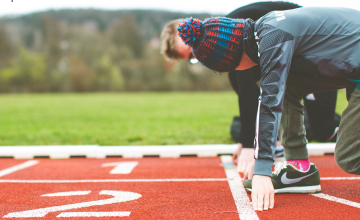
{"points": [[292, 131], [347, 151]]}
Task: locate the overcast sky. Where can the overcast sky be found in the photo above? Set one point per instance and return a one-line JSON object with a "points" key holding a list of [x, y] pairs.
{"points": [[211, 6]]}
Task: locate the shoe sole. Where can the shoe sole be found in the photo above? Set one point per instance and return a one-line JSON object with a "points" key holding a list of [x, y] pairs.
{"points": [[297, 190]]}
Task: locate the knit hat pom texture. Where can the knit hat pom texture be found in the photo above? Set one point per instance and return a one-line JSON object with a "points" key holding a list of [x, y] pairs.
{"points": [[189, 30]]}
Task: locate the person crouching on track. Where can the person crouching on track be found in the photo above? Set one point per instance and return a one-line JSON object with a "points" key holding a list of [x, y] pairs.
{"points": [[320, 107], [299, 51]]}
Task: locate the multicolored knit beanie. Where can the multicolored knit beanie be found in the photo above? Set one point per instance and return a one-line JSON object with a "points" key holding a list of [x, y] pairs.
{"points": [[217, 43]]}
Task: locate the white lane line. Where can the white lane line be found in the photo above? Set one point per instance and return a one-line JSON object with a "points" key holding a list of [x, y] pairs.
{"points": [[115, 180], [121, 167], [72, 193], [18, 167], [240, 196], [335, 199], [94, 214], [340, 178]]}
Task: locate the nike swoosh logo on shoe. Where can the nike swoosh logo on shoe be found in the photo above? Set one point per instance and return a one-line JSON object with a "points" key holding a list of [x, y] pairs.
{"points": [[288, 181]]}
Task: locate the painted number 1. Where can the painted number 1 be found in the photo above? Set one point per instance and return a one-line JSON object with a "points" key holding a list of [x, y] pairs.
{"points": [[119, 196]]}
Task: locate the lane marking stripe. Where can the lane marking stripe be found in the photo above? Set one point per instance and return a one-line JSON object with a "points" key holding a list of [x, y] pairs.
{"points": [[335, 199], [115, 180], [240, 196], [18, 167], [340, 178], [121, 167], [94, 214], [73, 193]]}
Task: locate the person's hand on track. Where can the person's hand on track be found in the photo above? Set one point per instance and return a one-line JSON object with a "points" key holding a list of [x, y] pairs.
{"points": [[248, 174], [263, 193], [244, 159], [237, 153]]}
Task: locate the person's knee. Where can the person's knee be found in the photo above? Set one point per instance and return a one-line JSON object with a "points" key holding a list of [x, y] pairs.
{"points": [[349, 163]]}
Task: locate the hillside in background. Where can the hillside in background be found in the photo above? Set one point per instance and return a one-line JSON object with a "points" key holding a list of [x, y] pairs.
{"points": [[94, 50], [149, 21]]}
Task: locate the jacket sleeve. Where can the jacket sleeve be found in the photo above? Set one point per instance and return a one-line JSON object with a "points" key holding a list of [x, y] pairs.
{"points": [[276, 49]]}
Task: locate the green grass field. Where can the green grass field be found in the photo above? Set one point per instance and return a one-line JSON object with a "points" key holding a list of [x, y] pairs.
{"points": [[120, 118]]}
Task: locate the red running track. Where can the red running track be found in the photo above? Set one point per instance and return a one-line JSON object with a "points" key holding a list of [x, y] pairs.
{"points": [[183, 188]]}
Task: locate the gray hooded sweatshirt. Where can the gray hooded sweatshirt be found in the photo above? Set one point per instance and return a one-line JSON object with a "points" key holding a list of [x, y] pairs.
{"points": [[314, 41]]}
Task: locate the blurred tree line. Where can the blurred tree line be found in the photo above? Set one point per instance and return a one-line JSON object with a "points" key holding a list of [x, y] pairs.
{"points": [[95, 50]]}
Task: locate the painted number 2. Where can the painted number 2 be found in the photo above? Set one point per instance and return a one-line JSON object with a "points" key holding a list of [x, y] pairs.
{"points": [[119, 196]]}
